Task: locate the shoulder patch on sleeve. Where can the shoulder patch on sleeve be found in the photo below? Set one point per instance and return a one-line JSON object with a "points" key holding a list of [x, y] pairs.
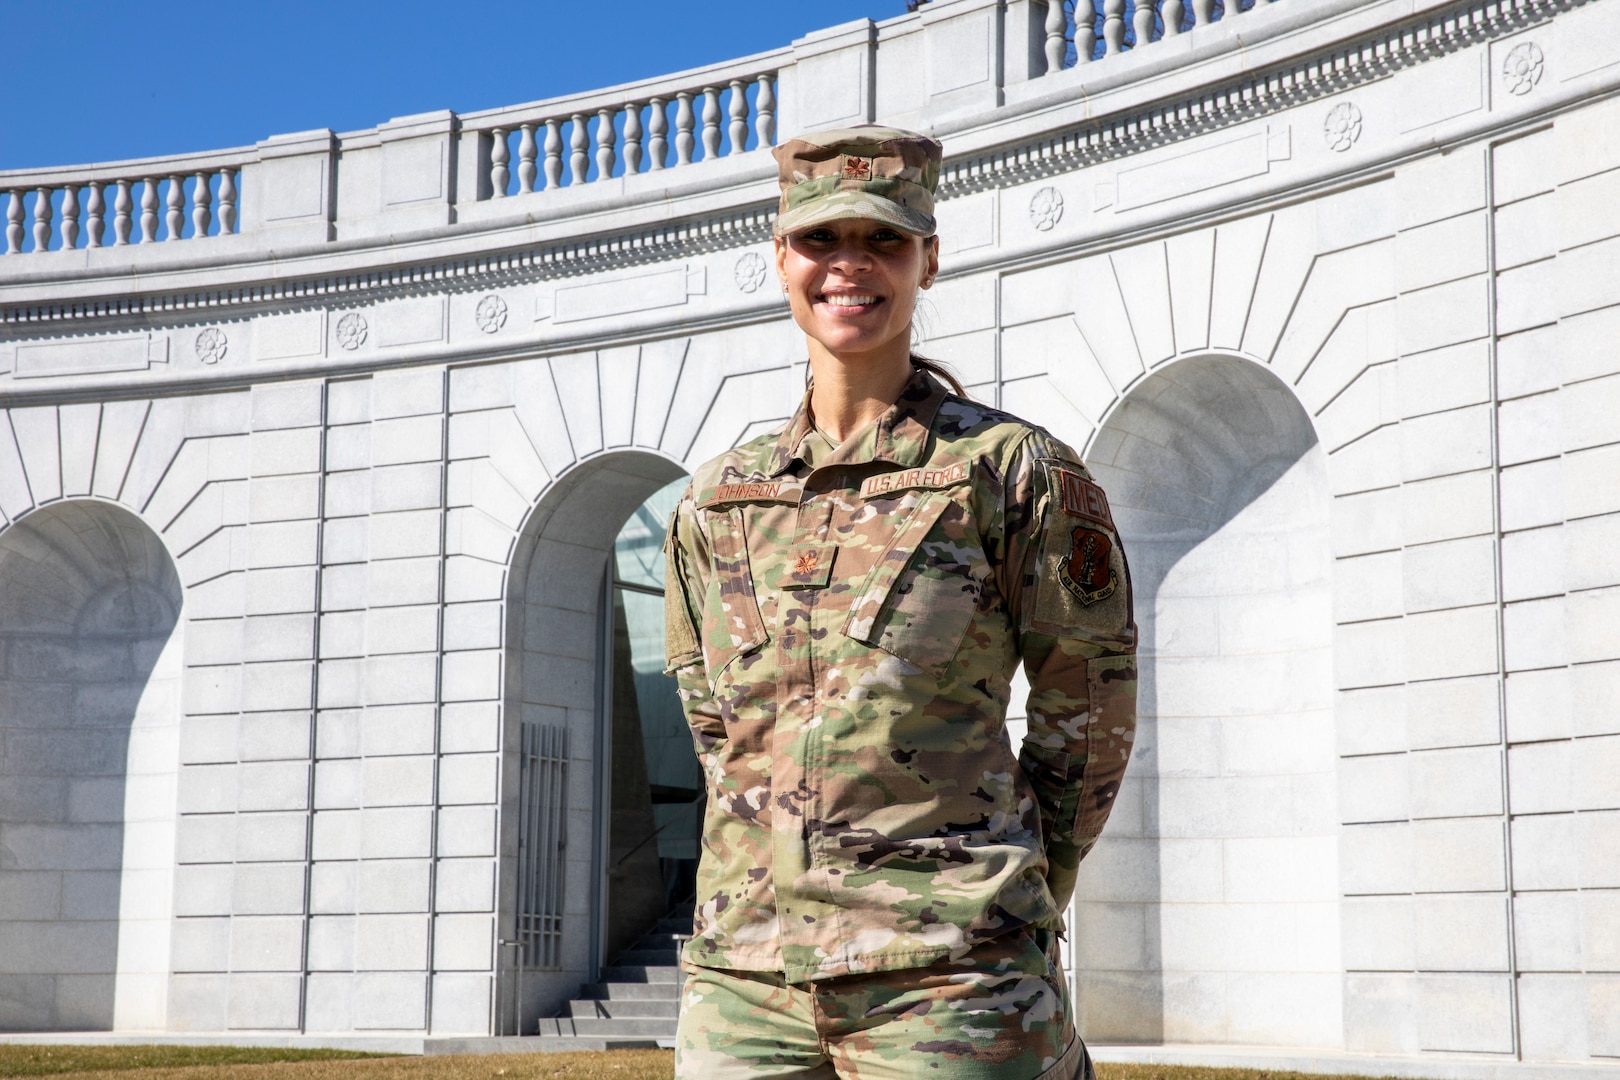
{"points": [[1087, 571], [1083, 499], [1079, 584]]}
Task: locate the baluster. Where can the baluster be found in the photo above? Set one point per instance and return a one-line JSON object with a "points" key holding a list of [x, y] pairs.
{"points": [[1173, 12], [70, 217], [632, 140], [95, 209], [739, 116], [42, 219], [177, 206], [657, 128], [527, 152], [765, 112], [1231, 8], [605, 138], [14, 226], [1085, 30], [201, 199], [122, 220], [1057, 25], [579, 139], [1142, 23], [1203, 12], [149, 203], [711, 122], [499, 155], [553, 154], [1114, 26], [684, 121], [227, 201]]}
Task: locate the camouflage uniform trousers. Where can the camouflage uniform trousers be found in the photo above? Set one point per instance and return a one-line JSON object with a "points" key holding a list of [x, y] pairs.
{"points": [[999, 1013]]}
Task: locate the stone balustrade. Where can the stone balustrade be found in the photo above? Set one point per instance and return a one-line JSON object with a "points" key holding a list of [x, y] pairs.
{"points": [[133, 202], [1084, 31], [667, 129], [428, 171]]}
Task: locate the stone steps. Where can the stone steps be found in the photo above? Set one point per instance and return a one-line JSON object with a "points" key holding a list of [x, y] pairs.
{"points": [[637, 1001], [626, 1008], [642, 973], [630, 991]]}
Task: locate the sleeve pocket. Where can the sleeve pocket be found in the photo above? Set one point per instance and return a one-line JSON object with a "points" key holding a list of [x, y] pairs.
{"points": [[1111, 685], [680, 633], [1048, 774]]}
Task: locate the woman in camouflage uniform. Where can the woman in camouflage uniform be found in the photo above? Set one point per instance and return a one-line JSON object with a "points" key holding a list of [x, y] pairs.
{"points": [[882, 879]]}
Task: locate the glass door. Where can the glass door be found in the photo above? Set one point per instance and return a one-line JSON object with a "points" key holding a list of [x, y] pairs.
{"points": [[654, 797]]}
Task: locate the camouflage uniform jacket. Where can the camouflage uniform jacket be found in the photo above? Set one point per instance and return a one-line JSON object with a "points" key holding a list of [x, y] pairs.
{"points": [[843, 630]]}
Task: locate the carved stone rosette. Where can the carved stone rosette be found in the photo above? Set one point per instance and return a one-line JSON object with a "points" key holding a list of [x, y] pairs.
{"points": [[750, 271], [490, 313], [351, 331], [1046, 208], [1522, 68], [211, 345], [1342, 127]]}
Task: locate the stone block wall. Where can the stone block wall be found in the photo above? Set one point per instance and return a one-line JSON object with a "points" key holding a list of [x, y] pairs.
{"points": [[1342, 355]]}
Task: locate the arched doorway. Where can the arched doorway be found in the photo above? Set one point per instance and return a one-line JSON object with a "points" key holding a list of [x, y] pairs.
{"points": [[1209, 912], [599, 780], [89, 714]]}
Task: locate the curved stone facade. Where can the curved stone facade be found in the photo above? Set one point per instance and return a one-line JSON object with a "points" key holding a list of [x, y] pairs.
{"points": [[307, 513]]}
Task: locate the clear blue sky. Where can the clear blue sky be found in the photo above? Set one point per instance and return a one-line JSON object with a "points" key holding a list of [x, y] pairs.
{"points": [[97, 80]]}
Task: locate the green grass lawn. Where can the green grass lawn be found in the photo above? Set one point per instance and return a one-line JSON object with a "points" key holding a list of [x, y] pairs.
{"points": [[271, 1063], [46, 1060]]}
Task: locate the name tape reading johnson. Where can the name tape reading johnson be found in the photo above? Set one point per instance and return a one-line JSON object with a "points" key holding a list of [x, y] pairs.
{"points": [[777, 491], [1083, 499]]}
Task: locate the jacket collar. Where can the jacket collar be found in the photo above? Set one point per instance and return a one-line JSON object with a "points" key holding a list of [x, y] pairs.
{"points": [[898, 436]]}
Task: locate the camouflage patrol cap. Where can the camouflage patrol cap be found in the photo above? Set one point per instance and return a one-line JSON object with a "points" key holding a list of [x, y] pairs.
{"points": [[879, 173]]}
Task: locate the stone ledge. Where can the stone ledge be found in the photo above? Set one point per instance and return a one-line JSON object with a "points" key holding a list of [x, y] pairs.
{"points": [[1439, 1066], [374, 1044]]}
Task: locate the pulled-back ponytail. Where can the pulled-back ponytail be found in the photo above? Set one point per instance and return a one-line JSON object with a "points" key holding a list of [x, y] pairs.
{"points": [[941, 372]]}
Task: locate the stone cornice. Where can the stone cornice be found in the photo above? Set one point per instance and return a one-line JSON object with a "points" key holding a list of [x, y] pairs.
{"points": [[1236, 100], [738, 210]]}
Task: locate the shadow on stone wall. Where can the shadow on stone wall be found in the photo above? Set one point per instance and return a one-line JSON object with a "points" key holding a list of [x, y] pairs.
{"points": [[1218, 487], [88, 600]]}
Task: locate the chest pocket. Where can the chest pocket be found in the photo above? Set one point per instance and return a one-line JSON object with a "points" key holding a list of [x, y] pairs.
{"points": [[732, 626], [920, 597]]}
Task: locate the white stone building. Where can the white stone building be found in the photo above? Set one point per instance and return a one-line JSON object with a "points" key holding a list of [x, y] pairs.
{"points": [[313, 455]]}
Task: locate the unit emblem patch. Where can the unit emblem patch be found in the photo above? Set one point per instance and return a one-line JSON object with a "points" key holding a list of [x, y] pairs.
{"points": [[1086, 572]]}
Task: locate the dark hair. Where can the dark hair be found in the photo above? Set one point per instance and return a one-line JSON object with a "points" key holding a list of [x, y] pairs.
{"points": [[939, 371]]}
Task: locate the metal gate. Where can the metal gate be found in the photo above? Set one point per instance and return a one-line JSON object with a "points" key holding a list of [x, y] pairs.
{"points": [[542, 839]]}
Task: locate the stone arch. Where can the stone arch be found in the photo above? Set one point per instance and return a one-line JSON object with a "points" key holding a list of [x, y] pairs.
{"points": [[1202, 915], [555, 648], [90, 630]]}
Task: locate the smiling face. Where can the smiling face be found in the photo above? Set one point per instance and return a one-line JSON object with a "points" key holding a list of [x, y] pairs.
{"points": [[852, 284]]}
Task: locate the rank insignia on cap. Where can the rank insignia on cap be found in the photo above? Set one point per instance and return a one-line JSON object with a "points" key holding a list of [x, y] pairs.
{"points": [[857, 168], [1086, 572]]}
